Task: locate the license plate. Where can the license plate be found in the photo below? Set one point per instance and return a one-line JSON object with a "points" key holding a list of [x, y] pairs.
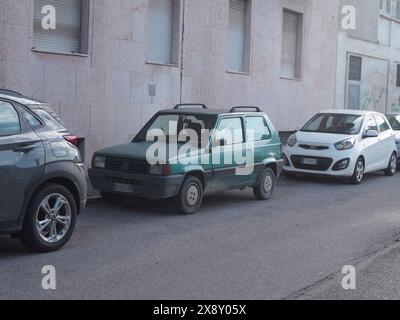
{"points": [[308, 161], [122, 187]]}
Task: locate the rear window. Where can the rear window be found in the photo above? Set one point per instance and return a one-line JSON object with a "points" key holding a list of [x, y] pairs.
{"points": [[51, 122]]}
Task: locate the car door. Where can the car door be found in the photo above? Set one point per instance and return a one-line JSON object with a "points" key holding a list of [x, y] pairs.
{"points": [[370, 145], [387, 141], [22, 157], [226, 156], [258, 137]]}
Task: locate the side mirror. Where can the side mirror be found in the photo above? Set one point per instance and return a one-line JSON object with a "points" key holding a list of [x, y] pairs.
{"points": [[371, 134]]}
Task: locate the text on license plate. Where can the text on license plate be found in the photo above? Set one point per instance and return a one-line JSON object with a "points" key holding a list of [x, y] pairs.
{"points": [[308, 161], [122, 187]]}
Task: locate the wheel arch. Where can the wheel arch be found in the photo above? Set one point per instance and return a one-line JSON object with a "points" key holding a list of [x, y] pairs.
{"points": [[199, 175], [63, 173]]}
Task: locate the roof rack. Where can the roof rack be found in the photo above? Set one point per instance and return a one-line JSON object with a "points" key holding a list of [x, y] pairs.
{"points": [[11, 93], [179, 106], [247, 108]]}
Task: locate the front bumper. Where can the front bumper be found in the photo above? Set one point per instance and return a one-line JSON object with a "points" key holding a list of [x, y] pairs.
{"points": [[143, 185], [328, 160]]}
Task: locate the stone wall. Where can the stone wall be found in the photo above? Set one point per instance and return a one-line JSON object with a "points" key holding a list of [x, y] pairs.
{"points": [[104, 96]]}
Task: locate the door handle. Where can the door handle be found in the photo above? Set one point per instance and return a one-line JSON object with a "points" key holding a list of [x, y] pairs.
{"points": [[25, 148]]}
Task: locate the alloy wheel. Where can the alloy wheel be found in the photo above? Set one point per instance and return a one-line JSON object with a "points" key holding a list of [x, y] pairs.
{"points": [[360, 170], [53, 218], [393, 163]]}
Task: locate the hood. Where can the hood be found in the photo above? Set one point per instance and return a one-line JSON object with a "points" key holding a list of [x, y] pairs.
{"points": [[135, 150], [138, 150], [321, 138]]}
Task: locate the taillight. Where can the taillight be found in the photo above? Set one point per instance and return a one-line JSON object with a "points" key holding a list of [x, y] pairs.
{"points": [[166, 170], [71, 139]]}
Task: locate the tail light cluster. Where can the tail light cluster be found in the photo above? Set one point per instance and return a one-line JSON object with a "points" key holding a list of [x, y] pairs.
{"points": [[71, 139]]}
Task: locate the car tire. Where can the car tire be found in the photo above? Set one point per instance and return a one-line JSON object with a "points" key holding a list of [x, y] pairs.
{"points": [[60, 224], [359, 172], [111, 198], [190, 196], [392, 166], [265, 189]]}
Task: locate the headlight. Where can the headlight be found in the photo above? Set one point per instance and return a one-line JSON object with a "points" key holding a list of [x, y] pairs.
{"points": [[160, 169], [345, 144], [292, 140], [99, 162]]}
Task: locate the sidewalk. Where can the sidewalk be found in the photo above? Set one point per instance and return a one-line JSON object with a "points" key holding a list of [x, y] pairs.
{"points": [[377, 279]]}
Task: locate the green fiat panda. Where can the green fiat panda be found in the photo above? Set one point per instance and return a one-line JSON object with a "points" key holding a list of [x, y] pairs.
{"points": [[190, 151]]}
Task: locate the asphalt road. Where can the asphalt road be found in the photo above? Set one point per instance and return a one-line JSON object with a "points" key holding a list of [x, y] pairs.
{"points": [[235, 248]]}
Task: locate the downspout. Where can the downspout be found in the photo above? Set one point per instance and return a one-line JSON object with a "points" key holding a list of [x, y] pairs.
{"points": [[182, 45]]}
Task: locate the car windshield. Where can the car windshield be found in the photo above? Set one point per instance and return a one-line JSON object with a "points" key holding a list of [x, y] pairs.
{"points": [[394, 121], [335, 124], [172, 125]]}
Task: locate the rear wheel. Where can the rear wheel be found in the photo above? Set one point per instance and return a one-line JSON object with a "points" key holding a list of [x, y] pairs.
{"points": [[359, 172], [266, 187], [392, 166], [50, 220], [190, 196]]}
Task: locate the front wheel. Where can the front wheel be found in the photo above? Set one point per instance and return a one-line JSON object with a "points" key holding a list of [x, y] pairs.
{"points": [[190, 196], [392, 167], [50, 220], [265, 189], [359, 172]]}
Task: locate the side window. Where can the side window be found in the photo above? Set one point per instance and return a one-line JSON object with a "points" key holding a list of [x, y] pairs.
{"points": [[30, 119], [257, 129], [231, 130], [9, 119], [382, 124], [371, 123]]}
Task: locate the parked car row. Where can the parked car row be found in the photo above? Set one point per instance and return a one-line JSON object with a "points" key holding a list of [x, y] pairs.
{"points": [[44, 187]]}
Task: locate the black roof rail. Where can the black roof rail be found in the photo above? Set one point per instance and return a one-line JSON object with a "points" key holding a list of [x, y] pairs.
{"points": [[11, 92], [179, 106], [238, 108]]}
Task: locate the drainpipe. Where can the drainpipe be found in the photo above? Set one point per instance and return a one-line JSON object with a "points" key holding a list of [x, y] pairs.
{"points": [[182, 45]]}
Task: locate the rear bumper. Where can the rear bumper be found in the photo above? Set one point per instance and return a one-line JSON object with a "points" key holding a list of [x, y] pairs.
{"points": [[144, 186]]}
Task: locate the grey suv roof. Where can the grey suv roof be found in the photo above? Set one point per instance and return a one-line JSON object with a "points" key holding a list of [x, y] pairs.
{"points": [[21, 99]]}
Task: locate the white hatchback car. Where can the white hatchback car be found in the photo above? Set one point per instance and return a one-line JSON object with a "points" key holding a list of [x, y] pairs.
{"points": [[342, 143]]}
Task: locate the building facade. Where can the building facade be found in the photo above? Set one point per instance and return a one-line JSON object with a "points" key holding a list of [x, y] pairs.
{"points": [[368, 75], [107, 66]]}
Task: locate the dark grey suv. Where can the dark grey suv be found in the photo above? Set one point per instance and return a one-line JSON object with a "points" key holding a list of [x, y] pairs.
{"points": [[42, 181]]}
